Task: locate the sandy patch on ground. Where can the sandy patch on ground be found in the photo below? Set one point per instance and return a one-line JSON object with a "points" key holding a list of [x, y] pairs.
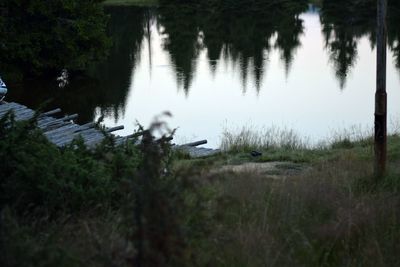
{"points": [[274, 169]]}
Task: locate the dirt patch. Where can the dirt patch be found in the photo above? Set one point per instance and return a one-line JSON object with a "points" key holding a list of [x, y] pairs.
{"points": [[275, 169]]}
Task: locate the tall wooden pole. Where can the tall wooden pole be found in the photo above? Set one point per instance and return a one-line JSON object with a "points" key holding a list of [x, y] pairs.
{"points": [[381, 95]]}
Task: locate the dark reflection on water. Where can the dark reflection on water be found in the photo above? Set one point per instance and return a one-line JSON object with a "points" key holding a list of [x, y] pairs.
{"points": [[345, 22], [394, 30], [236, 31], [127, 29], [105, 85], [241, 35], [244, 35]]}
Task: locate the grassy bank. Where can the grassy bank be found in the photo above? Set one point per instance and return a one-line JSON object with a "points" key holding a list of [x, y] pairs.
{"points": [[317, 206], [293, 205], [332, 214], [131, 2]]}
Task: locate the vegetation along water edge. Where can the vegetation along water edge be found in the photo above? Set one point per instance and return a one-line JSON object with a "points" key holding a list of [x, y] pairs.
{"points": [[269, 198], [145, 205]]}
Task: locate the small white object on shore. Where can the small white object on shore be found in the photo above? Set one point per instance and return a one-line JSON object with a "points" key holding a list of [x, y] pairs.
{"points": [[3, 89]]}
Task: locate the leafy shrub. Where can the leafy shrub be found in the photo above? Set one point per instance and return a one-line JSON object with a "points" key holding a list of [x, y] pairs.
{"points": [[36, 174], [158, 216]]}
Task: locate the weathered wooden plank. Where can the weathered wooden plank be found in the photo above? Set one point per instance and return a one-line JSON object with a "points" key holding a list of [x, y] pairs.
{"points": [[68, 139], [22, 111], [197, 143], [60, 121], [135, 135], [17, 107], [85, 135], [24, 114], [120, 140], [70, 117], [54, 125], [4, 108], [94, 136], [67, 133], [87, 132], [48, 124], [44, 120], [86, 127], [114, 129], [94, 142], [196, 152], [51, 112], [62, 131], [63, 142], [8, 104], [13, 109]]}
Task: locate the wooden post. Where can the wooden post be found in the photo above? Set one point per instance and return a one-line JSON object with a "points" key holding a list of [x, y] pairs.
{"points": [[381, 95]]}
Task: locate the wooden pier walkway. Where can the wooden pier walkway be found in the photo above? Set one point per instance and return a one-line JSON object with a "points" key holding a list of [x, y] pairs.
{"points": [[62, 131]]}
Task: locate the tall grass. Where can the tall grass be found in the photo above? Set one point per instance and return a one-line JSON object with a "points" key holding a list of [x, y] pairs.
{"points": [[252, 138], [348, 137], [248, 137], [328, 216]]}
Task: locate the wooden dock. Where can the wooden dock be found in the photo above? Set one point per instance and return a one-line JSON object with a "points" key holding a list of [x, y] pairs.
{"points": [[62, 131]]}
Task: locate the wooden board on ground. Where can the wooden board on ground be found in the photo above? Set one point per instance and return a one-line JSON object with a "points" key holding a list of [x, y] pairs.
{"points": [[62, 131]]}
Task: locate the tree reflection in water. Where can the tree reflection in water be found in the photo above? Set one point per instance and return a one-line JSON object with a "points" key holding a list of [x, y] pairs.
{"points": [[104, 86], [345, 22], [242, 34]]}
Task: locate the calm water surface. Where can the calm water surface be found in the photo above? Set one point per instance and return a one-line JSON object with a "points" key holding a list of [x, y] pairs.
{"points": [[308, 73]]}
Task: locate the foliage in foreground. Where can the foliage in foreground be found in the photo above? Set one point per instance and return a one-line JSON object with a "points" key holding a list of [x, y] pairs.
{"points": [[77, 207], [138, 206]]}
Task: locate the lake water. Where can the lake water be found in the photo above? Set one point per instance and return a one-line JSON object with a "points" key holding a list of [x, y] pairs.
{"points": [[306, 73]]}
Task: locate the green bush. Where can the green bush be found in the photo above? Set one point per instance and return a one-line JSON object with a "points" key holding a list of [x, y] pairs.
{"points": [[140, 212], [36, 174]]}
